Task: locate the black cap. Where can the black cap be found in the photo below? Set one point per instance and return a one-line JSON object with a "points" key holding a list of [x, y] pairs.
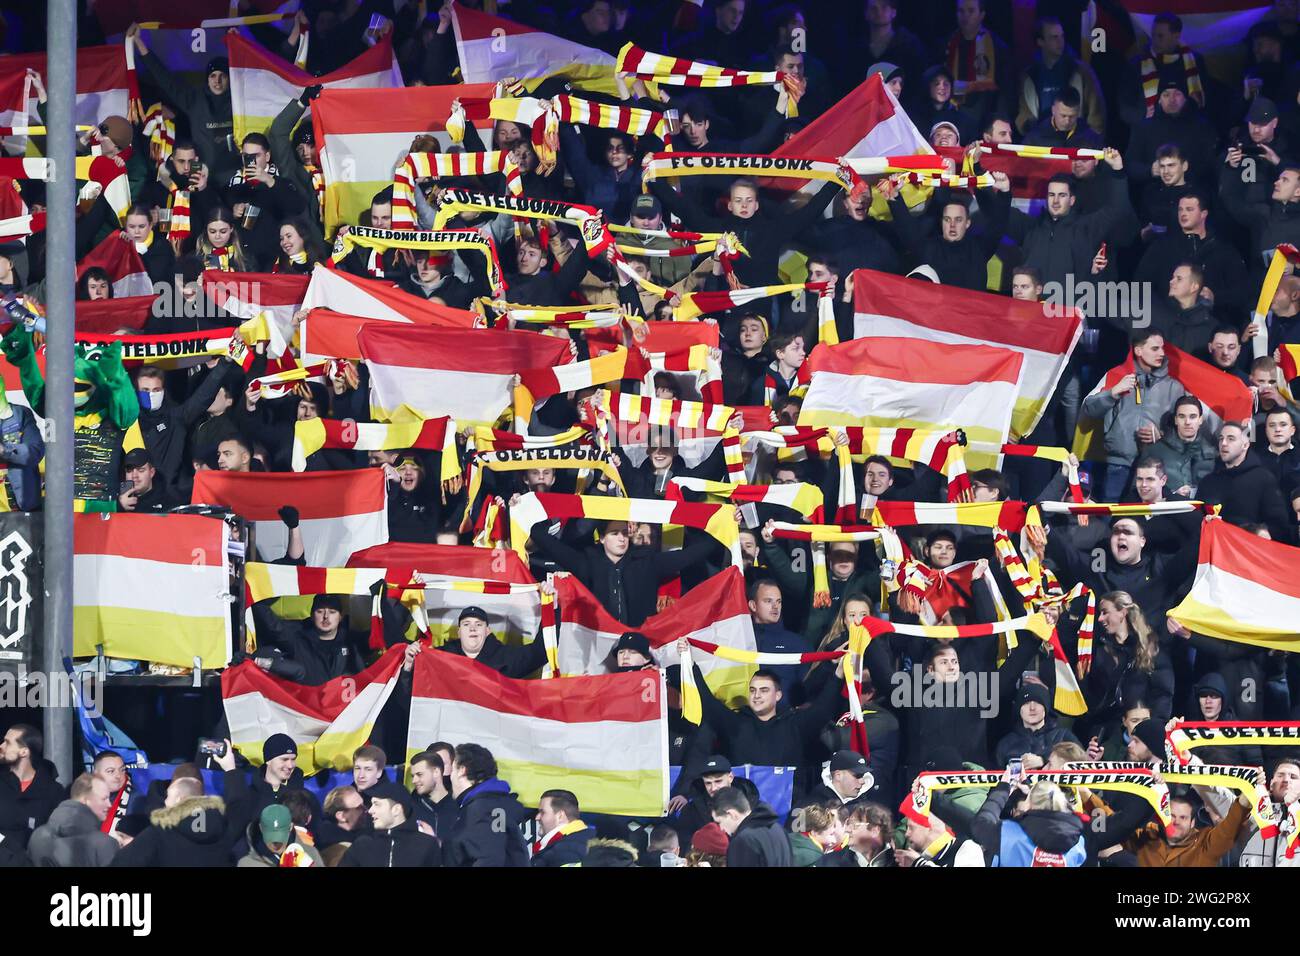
{"points": [[850, 760], [333, 602], [1152, 734], [1262, 110], [1173, 83], [278, 745], [715, 764], [218, 64], [385, 789], [136, 458], [472, 611], [634, 641]]}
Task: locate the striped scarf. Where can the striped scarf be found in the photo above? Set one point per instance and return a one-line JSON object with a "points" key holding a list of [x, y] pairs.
{"points": [[1045, 452], [973, 64], [1127, 511], [632, 410], [678, 71], [219, 258], [161, 133], [1044, 152], [595, 235], [178, 223], [438, 165], [1011, 515], [1151, 76], [1187, 735], [317, 185], [580, 458], [821, 168], [800, 496]]}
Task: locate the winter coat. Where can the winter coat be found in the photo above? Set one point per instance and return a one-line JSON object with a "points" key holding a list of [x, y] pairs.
{"points": [[1218, 260], [1122, 416], [803, 851], [440, 816], [1115, 680], [245, 801], [1022, 740], [1270, 223], [23, 456], [22, 811], [192, 833], [1189, 330], [1032, 108], [165, 430], [1051, 833], [1065, 246], [759, 841], [697, 813], [487, 833], [403, 845], [1189, 129], [261, 855], [71, 837], [963, 263], [211, 124], [1206, 847], [566, 849], [1186, 462], [1249, 494]]}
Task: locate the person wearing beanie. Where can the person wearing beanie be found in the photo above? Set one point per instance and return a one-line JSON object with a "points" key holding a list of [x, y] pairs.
{"points": [[709, 840], [208, 109], [630, 653], [278, 775], [1037, 733], [434, 278], [1177, 119], [313, 651], [396, 839], [414, 500], [891, 75], [475, 640]]}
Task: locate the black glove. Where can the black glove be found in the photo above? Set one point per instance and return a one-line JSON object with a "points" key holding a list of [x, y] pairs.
{"points": [[310, 93], [289, 515]]}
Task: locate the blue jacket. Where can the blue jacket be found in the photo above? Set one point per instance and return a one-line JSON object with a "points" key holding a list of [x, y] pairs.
{"points": [[23, 448]]}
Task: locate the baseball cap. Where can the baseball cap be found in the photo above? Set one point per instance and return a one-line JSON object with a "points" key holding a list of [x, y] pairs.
{"points": [[646, 206], [886, 70], [849, 760], [1262, 110], [136, 458], [715, 764], [941, 124], [388, 790], [472, 611], [276, 824]]}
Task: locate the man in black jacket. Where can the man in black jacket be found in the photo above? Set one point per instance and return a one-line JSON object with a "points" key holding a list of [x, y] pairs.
{"points": [[1184, 319], [715, 774], [28, 791], [757, 838], [165, 424], [1037, 732], [487, 833], [395, 839], [261, 199], [1222, 269], [625, 581], [476, 641], [272, 782], [564, 835], [208, 109], [147, 492], [189, 830], [435, 807], [313, 651], [1244, 486], [958, 254]]}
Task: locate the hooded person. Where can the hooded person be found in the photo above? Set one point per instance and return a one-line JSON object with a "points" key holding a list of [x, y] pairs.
{"points": [[188, 830], [414, 501], [476, 641], [846, 777], [208, 109], [1041, 829], [1211, 702], [396, 840]]}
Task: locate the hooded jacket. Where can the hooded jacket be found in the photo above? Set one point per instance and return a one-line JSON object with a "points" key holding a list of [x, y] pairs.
{"points": [[1188, 128], [697, 812], [71, 837], [261, 855], [963, 263], [487, 833], [1249, 493], [1122, 416], [211, 124], [245, 802], [1022, 740], [759, 841], [1038, 838], [192, 833], [403, 845]]}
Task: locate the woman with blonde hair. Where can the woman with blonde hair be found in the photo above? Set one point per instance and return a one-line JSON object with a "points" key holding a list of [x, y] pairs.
{"points": [[818, 831], [1040, 829], [1127, 663]]}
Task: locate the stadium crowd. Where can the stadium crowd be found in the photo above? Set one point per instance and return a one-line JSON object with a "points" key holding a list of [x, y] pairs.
{"points": [[1194, 183]]}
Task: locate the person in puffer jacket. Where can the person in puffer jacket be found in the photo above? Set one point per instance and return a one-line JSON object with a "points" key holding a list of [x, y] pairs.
{"points": [[73, 835], [1041, 830], [188, 830]]}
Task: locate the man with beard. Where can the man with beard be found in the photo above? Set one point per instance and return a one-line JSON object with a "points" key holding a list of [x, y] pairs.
{"points": [[1283, 791], [28, 791], [1244, 486]]}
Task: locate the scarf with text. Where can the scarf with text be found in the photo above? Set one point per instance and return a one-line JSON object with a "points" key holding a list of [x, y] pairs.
{"points": [[1187, 735], [821, 168], [437, 240], [596, 237], [579, 458]]}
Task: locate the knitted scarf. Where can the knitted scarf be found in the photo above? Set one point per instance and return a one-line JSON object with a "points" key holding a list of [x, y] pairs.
{"points": [[178, 223], [579, 458], [595, 235], [973, 64], [434, 434], [677, 71], [161, 133], [1187, 735], [1151, 75], [439, 165], [821, 168]]}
